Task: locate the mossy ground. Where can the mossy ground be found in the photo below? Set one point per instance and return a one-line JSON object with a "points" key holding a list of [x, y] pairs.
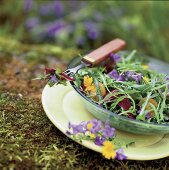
{"points": [[28, 140]]}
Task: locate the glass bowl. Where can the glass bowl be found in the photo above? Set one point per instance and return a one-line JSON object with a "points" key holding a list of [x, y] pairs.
{"points": [[121, 122]]}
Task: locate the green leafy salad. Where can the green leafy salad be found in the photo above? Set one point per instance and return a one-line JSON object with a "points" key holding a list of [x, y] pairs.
{"points": [[129, 89]]}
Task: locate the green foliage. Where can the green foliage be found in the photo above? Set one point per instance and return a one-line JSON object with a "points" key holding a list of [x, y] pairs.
{"points": [[143, 24]]}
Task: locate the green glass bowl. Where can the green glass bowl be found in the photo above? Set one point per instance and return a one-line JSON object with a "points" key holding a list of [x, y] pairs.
{"points": [[121, 122]]}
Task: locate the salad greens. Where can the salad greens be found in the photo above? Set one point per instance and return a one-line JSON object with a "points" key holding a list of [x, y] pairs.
{"points": [[130, 89]]}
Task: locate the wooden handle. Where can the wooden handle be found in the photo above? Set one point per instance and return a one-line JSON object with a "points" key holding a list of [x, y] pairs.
{"points": [[102, 53]]}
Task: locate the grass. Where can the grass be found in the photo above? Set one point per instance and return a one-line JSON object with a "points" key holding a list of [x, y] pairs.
{"points": [[28, 140]]}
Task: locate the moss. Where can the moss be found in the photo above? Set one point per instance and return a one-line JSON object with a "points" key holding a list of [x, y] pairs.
{"points": [[35, 53], [28, 140]]}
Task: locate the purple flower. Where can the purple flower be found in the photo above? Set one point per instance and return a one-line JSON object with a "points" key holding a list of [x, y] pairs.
{"points": [[96, 126], [92, 30], [113, 74], [129, 74], [54, 79], [148, 115], [93, 34], [120, 154], [108, 132], [80, 128], [121, 78], [55, 27], [52, 7], [59, 8], [138, 111], [134, 76], [99, 140], [115, 57], [137, 78], [68, 133], [81, 41], [32, 22], [28, 4], [46, 9]]}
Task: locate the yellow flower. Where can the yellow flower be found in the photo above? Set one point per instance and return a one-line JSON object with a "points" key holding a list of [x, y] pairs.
{"points": [[108, 150], [145, 67], [87, 81], [92, 136], [89, 126], [91, 88], [146, 79], [148, 106]]}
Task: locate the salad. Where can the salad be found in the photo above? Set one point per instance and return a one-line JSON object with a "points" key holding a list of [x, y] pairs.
{"points": [[129, 89]]}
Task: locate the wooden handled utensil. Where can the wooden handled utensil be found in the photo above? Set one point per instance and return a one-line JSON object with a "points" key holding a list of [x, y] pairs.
{"points": [[96, 57]]}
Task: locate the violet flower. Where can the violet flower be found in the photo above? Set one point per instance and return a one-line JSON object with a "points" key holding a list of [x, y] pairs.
{"points": [[129, 74], [53, 79], [137, 78], [32, 22], [55, 27], [68, 133], [59, 8], [28, 4], [120, 154], [81, 41], [121, 78], [96, 125], [99, 140], [108, 132], [80, 128], [92, 30], [148, 115], [45, 9], [113, 74], [52, 7], [93, 34], [115, 57], [134, 76]]}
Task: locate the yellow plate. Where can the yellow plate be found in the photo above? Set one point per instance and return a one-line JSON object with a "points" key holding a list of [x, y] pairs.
{"points": [[62, 105]]}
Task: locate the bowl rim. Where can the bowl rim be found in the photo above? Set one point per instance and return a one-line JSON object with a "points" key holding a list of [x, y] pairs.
{"points": [[108, 111]]}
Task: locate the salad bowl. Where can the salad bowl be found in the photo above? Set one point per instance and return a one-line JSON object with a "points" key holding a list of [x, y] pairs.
{"points": [[118, 121]]}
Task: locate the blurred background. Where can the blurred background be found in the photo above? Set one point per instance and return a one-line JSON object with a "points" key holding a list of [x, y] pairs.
{"points": [[44, 28]]}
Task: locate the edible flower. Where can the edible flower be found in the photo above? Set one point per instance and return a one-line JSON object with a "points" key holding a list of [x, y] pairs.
{"points": [[108, 150], [101, 135], [115, 75], [145, 67], [134, 76], [115, 57], [108, 132], [87, 81], [54, 79], [99, 140], [92, 136], [88, 84], [80, 128], [94, 126], [146, 79], [120, 154]]}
